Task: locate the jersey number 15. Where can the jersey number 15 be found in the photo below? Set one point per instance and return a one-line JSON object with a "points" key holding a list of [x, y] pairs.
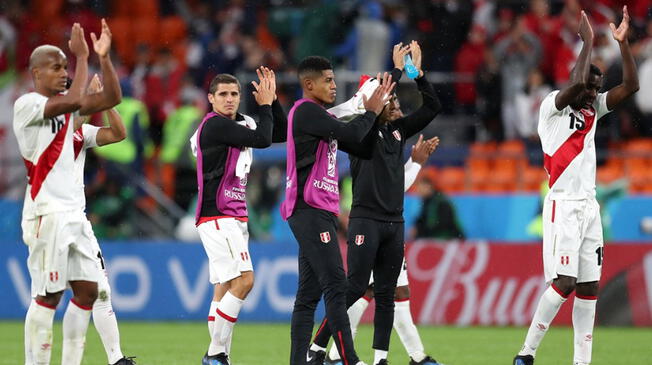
{"points": [[576, 123]]}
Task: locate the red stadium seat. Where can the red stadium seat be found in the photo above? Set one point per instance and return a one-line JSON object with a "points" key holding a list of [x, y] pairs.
{"points": [[451, 180]]}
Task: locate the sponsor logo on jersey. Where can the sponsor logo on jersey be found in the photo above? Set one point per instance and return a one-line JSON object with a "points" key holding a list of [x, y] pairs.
{"points": [[397, 135], [359, 239], [325, 237]]}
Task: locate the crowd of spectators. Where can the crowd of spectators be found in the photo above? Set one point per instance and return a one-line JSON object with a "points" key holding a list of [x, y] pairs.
{"points": [[502, 57]]}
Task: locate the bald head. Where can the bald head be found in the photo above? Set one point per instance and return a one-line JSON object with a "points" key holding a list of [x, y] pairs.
{"points": [[41, 55]]}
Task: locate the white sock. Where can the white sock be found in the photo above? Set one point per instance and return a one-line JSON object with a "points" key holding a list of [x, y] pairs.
{"points": [[407, 331], [547, 309], [107, 327], [211, 317], [379, 355], [583, 319], [75, 324], [315, 347], [355, 313], [38, 333], [227, 314]]}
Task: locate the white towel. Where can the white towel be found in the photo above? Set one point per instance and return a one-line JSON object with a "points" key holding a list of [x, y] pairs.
{"points": [[354, 106], [243, 165]]}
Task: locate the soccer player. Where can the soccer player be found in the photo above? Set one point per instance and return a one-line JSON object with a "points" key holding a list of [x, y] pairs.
{"points": [[89, 136], [403, 322], [223, 144], [54, 223], [376, 231], [572, 234], [312, 202]]}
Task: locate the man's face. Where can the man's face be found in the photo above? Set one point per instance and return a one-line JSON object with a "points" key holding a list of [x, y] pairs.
{"points": [[323, 87], [226, 100], [391, 111], [51, 75], [586, 98]]}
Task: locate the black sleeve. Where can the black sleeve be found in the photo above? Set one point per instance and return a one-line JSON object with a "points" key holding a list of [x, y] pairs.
{"points": [[396, 75], [415, 122], [280, 129], [362, 149], [226, 131], [312, 119]]}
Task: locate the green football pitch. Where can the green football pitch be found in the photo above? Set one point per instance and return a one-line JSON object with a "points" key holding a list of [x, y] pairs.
{"points": [[184, 343]]}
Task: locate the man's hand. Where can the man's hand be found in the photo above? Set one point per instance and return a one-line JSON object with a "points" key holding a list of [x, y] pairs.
{"points": [[265, 90], [103, 44], [380, 96], [423, 149], [77, 42], [585, 31], [416, 56], [398, 55], [266, 73], [620, 33], [95, 85]]}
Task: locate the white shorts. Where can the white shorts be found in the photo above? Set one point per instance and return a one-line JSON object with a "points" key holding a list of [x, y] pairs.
{"points": [[402, 276], [226, 241], [60, 250], [572, 239]]}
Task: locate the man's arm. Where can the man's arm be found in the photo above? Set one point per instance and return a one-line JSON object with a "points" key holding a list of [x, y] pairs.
{"points": [[111, 95], [363, 149], [226, 131], [312, 119], [115, 132], [630, 77], [431, 106], [280, 129], [580, 75], [72, 101]]}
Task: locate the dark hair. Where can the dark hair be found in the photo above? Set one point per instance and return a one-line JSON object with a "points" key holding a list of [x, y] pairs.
{"points": [[595, 70], [222, 79], [313, 64]]}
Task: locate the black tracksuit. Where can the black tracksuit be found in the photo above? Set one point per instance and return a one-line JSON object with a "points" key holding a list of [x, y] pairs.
{"points": [[320, 263], [376, 232]]}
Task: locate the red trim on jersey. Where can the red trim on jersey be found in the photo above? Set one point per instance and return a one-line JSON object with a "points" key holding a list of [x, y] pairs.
{"points": [[215, 218], [554, 204], [586, 297], [211, 318], [46, 305], [321, 327], [401, 300], [368, 299], [78, 141], [84, 307], [339, 337], [49, 157], [226, 316], [559, 291], [556, 164]]}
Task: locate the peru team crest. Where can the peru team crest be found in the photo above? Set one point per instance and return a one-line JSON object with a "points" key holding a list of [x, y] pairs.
{"points": [[325, 237], [359, 239], [397, 135]]}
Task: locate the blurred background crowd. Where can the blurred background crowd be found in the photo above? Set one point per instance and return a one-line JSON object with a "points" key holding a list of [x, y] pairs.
{"points": [[491, 62]]}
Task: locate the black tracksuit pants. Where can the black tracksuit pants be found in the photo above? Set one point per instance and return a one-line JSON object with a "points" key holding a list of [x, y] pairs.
{"points": [[321, 271], [378, 246]]}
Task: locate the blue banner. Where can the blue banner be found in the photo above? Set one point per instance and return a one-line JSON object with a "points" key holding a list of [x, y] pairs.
{"points": [[166, 281]]}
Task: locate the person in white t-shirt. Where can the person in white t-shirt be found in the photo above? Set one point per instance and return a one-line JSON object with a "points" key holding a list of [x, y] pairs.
{"points": [[60, 248], [572, 231], [89, 136]]}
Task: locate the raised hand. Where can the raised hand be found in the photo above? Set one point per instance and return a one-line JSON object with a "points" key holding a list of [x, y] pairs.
{"points": [[423, 149], [266, 73], [416, 56], [77, 43], [620, 33], [264, 92], [103, 44], [398, 55], [585, 31], [95, 85], [376, 102]]}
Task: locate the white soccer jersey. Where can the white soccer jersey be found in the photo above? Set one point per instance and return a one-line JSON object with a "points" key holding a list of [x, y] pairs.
{"points": [[83, 139], [567, 140], [47, 149]]}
